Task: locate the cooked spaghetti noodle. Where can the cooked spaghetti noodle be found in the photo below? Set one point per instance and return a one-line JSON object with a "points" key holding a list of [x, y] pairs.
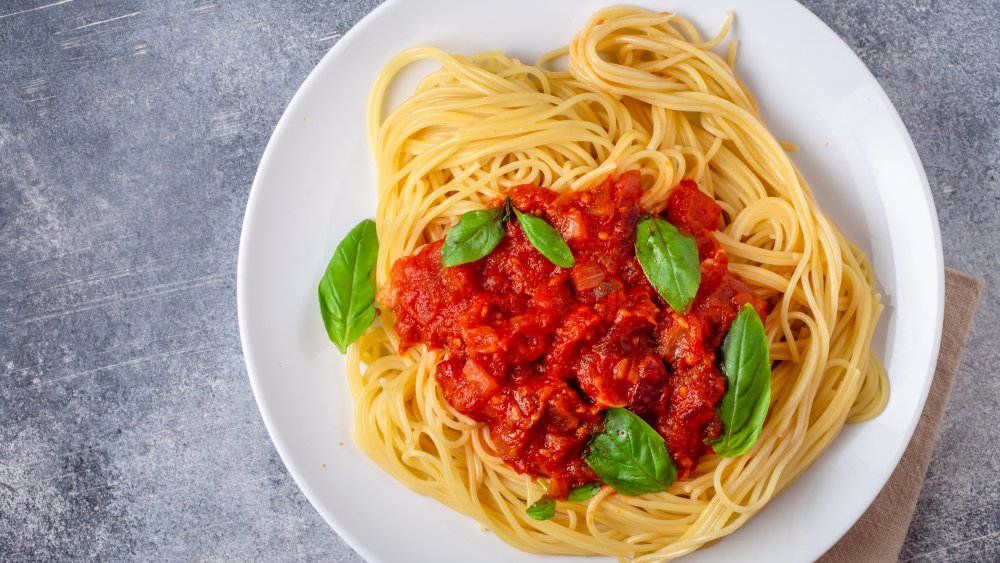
{"points": [[643, 91]]}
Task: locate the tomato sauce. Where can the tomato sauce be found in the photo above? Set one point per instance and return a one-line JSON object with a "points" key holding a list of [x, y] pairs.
{"points": [[537, 352]]}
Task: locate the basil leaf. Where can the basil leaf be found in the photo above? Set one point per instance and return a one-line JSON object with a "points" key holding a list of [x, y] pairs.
{"points": [[629, 456], [546, 239], [584, 492], [747, 367], [669, 260], [346, 292], [543, 509], [476, 235]]}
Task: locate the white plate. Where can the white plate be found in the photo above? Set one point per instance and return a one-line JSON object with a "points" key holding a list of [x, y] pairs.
{"points": [[316, 181]]}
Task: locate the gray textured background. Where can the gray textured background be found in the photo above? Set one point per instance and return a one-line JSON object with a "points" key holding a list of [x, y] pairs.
{"points": [[130, 131]]}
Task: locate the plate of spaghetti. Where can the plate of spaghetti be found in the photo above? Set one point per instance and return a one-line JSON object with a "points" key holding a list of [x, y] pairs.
{"points": [[541, 280]]}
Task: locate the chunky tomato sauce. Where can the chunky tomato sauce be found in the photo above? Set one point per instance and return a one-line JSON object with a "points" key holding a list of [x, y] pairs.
{"points": [[537, 352]]}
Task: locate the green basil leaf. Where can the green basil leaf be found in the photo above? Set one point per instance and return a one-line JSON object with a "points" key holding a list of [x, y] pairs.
{"points": [[584, 492], [346, 292], [546, 239], [629, 456], [747, 367], [669, 260], [543, 509], [476, 235]]}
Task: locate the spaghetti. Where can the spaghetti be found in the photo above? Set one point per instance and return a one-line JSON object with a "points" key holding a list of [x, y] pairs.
{"points": [[643, 92]]}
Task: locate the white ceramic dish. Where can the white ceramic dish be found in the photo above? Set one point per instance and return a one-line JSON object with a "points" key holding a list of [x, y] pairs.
{"points": [[316, 181]]}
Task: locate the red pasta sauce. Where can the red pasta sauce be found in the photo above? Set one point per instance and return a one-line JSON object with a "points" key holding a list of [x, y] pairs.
{"points": [[537, 352]]}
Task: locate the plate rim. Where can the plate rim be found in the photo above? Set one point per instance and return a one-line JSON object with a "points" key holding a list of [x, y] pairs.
{"points": [[282, 128]]}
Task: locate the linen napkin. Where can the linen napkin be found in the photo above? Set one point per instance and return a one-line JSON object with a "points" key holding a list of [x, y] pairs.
{"points": [[879, 534]]}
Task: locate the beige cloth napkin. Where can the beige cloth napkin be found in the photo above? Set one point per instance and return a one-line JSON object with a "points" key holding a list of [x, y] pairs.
{"points": [[878, 536]]}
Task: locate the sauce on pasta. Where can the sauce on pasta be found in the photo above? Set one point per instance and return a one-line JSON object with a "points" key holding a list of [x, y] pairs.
{"points": [[537, 352]]}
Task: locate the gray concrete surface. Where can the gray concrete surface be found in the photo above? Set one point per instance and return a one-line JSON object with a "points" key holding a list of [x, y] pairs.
{"points": [[130, 131]]}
